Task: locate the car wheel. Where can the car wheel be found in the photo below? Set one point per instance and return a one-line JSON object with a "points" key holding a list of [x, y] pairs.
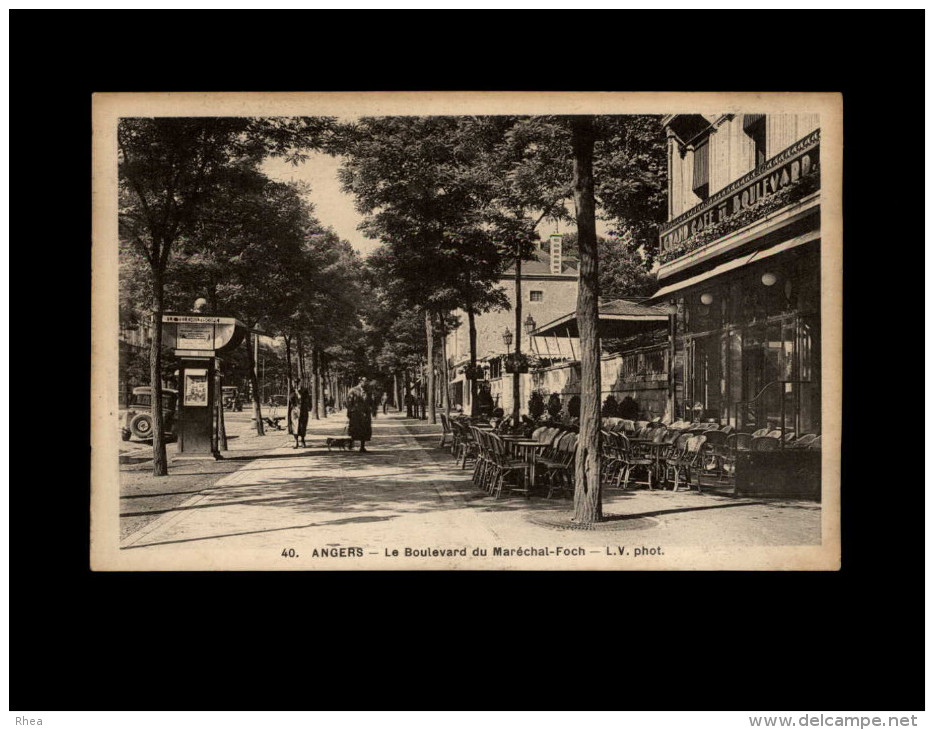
{"points": [[141, 426]]}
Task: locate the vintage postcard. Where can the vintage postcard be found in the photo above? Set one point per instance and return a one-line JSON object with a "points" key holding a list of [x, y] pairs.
{"points": [[466, 331]]}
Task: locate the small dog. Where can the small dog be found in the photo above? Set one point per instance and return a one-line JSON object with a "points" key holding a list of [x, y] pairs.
{"points": [[343, 444]]}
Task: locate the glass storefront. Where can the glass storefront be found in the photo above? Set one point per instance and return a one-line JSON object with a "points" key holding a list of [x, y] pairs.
{"points": [[751, 345]]}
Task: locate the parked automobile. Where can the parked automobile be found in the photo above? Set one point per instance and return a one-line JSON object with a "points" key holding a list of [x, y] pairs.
{"points": [[279, 400], [231, 398], [139, 414]]}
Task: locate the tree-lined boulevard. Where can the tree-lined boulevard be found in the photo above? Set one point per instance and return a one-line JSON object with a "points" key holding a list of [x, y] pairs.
{"points": [[452, 201]]}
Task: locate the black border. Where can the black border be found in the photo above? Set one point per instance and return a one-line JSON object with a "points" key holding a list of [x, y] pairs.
{"points": [[733, 641]]}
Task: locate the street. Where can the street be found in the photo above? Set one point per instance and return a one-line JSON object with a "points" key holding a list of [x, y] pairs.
{"points": [[406, 503]]}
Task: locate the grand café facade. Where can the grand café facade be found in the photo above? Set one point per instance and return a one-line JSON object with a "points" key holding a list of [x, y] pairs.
{"points": [[740, 267]]}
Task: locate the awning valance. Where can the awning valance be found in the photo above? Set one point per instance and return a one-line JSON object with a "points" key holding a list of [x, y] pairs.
{"points": [[735, 264]]}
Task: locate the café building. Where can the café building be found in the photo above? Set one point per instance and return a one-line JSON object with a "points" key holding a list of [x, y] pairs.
{"points": [[739, 273]]}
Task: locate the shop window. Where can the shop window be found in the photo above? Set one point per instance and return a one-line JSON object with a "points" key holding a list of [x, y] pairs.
{"points": [[705, 381], [536, 296], [735, 375]]}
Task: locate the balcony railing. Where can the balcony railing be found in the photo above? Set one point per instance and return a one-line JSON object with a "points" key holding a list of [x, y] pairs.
{"points": [[784, 179]]}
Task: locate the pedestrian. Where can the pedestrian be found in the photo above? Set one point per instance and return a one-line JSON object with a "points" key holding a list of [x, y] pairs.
{"points": [[359, 415], [385, 401], [298, 414]]}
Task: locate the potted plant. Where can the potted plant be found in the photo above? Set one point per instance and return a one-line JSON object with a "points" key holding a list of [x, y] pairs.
{"points": [[554, 406], [536, 405], [516, 363], [473, 372]]}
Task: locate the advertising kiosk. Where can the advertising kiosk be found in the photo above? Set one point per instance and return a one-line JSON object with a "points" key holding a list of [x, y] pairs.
{"points": [[197, 340]]}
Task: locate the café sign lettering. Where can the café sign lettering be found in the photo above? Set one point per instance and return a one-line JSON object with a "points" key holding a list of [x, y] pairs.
{"points": [[192, 319], [788, 167]]}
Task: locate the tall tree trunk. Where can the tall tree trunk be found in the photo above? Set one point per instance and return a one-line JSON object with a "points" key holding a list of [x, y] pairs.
{"points": [[254, 385], [430, 338], [288, 377], [445, 375], [221, 423], [315, 395], [160, 464], [406, 389], [216, 416], [302, 378], [472, 330], [395, 391], [588, 505], [316, 380], [322, 381], [517, 376], [288, 359]]}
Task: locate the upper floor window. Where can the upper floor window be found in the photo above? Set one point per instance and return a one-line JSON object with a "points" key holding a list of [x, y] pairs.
{"points": [[754, 126], [701, 185], [536, 295]]}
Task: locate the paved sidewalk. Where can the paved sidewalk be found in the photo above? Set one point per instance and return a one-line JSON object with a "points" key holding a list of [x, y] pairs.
{"points": [[340, 510]]}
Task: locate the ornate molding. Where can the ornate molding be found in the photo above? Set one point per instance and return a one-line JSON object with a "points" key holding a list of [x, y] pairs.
{"points": [[802, 145]]}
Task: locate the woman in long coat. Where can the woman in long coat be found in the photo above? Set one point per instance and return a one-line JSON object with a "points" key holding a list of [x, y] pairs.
{"points": [[359, 415], [298, 414]]}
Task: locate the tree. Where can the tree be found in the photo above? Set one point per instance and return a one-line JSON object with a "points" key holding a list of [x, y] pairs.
{"points": [[618, 165], [168, 169], [624, 270], [415, 180], [588, 505]]}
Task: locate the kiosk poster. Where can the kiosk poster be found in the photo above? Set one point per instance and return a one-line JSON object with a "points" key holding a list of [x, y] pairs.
{"points": [[195, 336], [196, 387]]}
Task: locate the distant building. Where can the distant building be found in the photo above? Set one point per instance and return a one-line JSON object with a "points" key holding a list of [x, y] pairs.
{"points": [[549, 290]]}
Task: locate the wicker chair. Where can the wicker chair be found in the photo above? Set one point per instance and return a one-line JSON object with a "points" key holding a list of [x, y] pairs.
{"points": [[765, 443], [446, 431], [504, 464], [559, 471], [686, 457], [802, 442], [629, 461]]}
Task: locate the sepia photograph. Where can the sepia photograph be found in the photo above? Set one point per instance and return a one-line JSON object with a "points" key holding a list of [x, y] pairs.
{"points": [[466, 331]]}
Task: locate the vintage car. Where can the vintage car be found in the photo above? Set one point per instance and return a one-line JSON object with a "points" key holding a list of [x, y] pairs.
{"points": [[139, 414], [279, 400], [232, 400]]}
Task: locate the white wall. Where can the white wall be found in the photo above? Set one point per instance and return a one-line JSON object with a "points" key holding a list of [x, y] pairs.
{"points": [[732, 154]]}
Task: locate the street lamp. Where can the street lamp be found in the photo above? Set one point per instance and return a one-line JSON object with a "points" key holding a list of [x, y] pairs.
{"points": [[530, 325], [507, 338]]}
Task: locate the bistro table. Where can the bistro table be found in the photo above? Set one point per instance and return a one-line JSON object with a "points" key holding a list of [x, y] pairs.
{"points": [[656, 448], [526, 450]]}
